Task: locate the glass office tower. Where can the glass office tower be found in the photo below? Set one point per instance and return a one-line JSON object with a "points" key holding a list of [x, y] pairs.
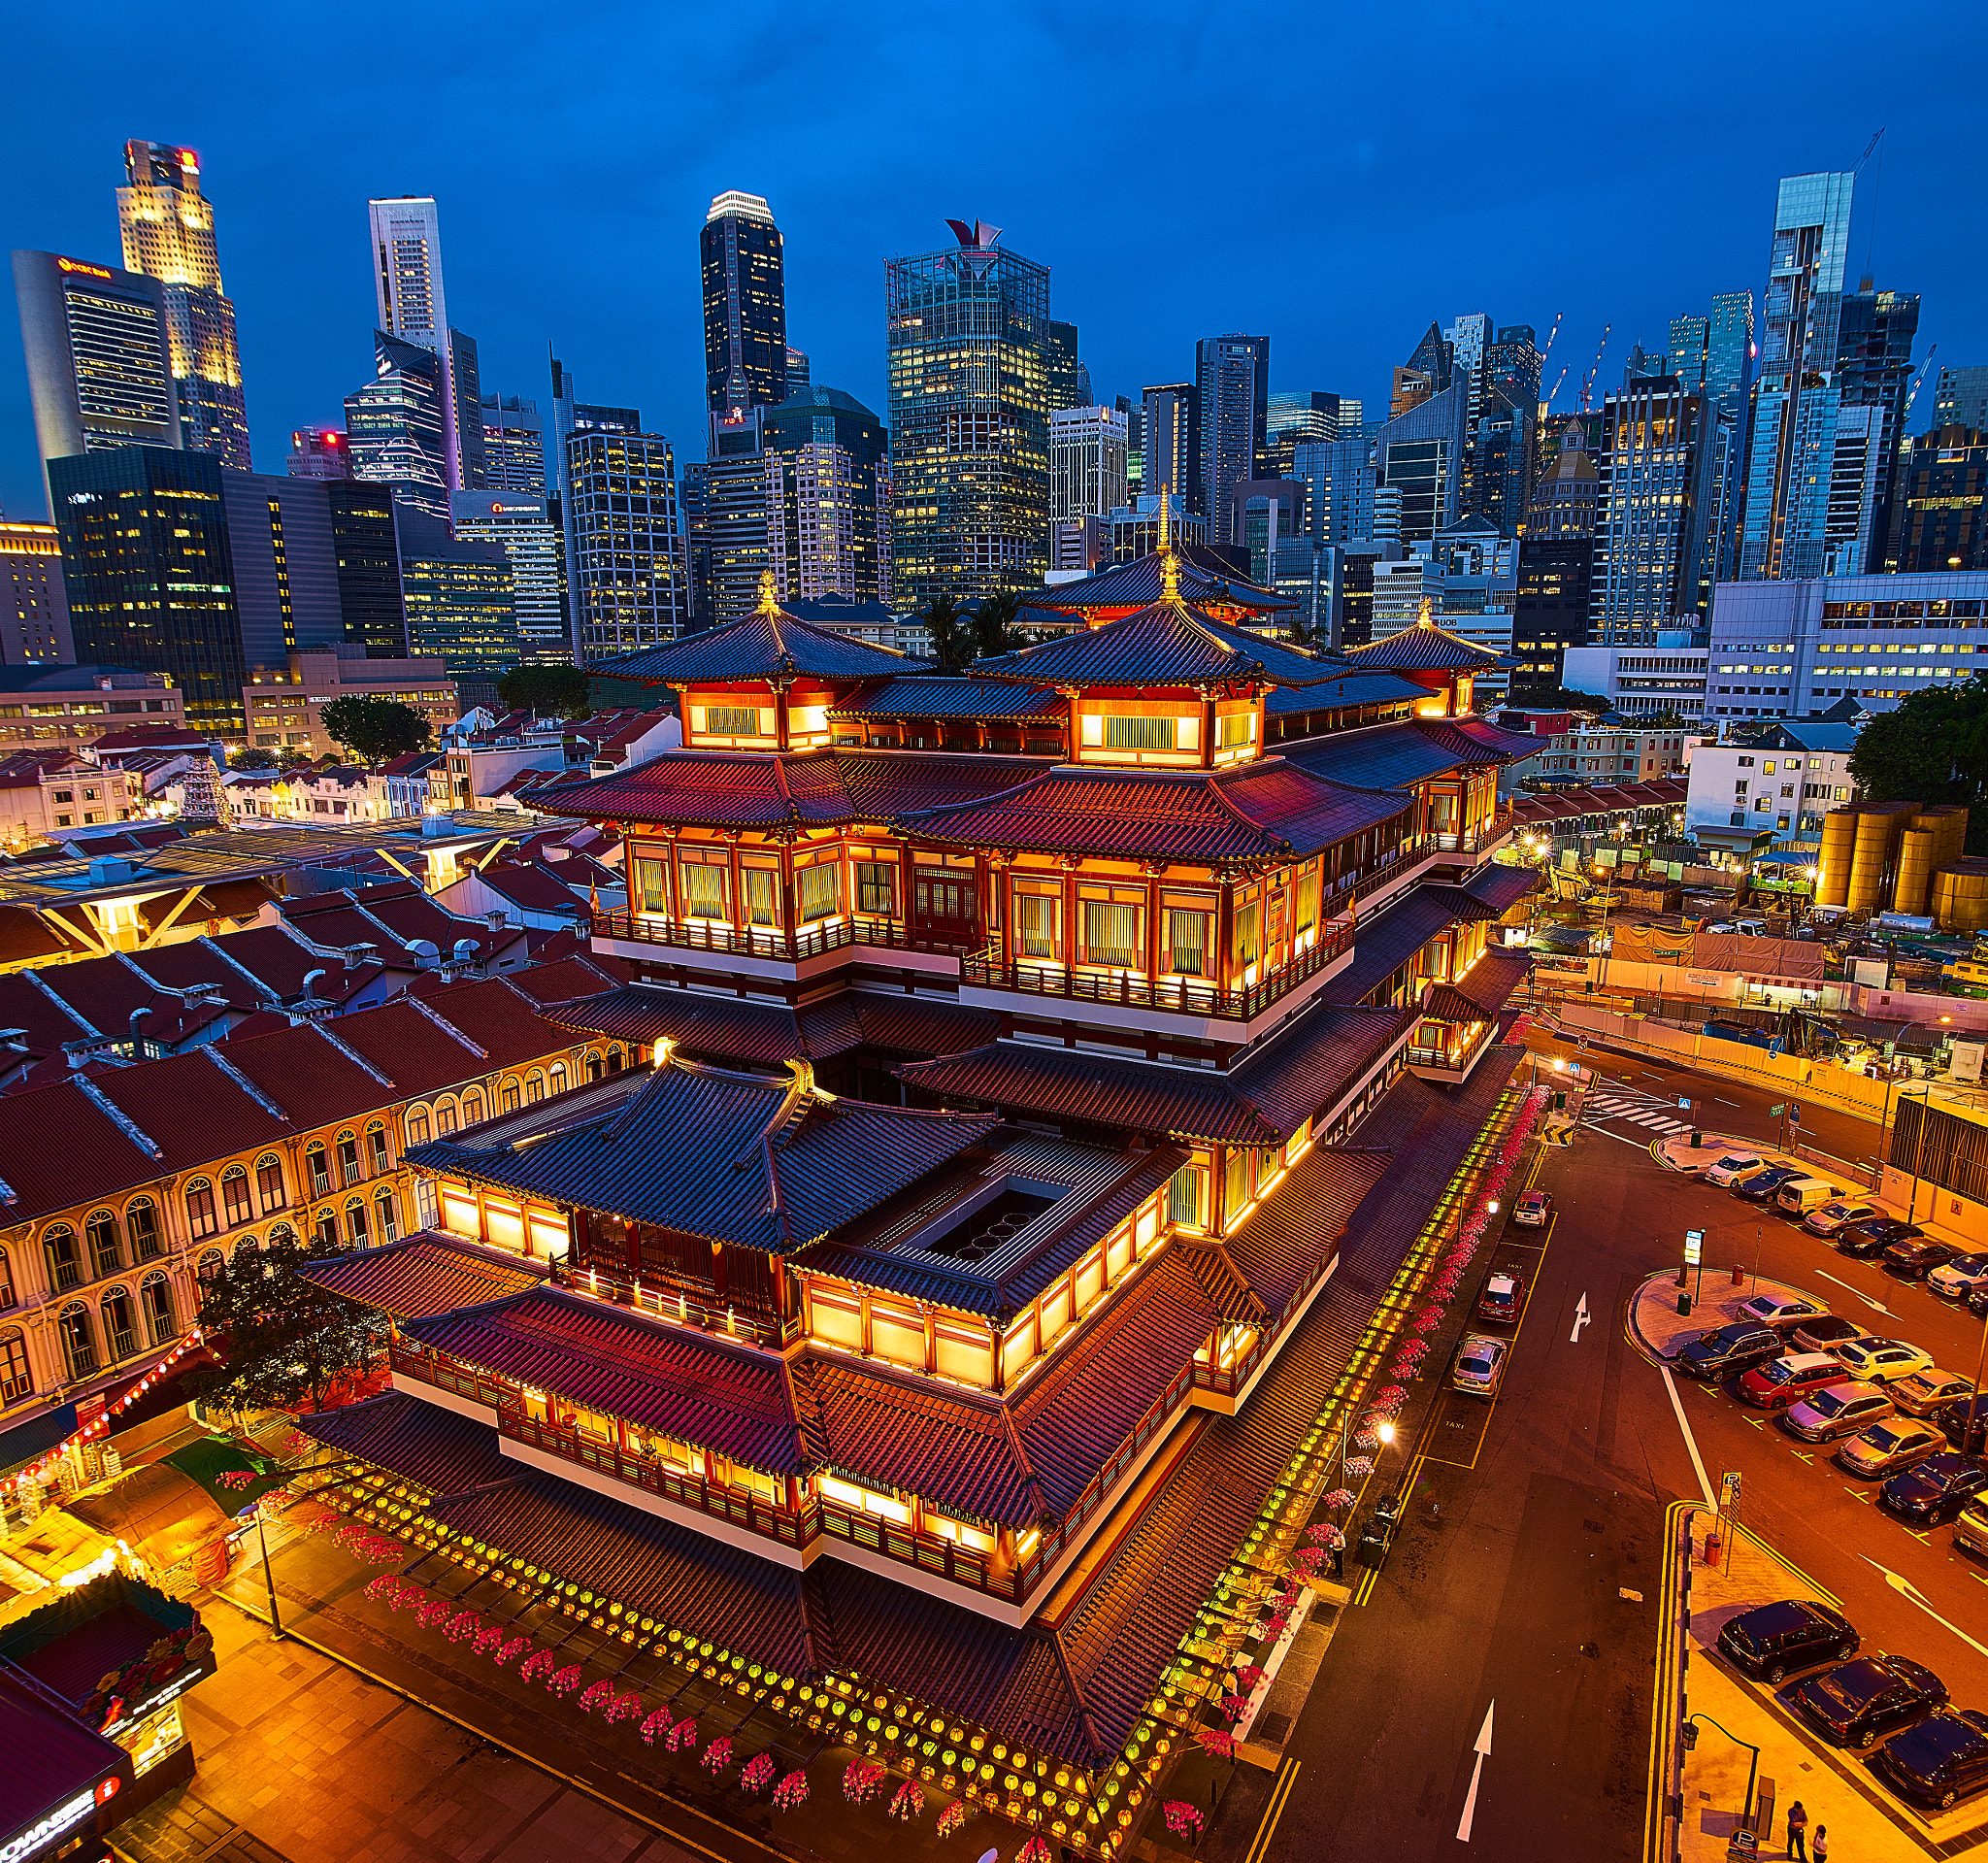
{"points": [[744, 304]]}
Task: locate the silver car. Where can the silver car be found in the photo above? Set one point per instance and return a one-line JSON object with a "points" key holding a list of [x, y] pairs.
{"points": [[1840, 1410], [1971, 1527], [1479, 1367], [1886, 1447]]}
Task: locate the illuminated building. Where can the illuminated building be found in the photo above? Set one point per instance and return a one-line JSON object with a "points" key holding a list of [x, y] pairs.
{"points": [[1232, 391], [414, 307], [1087, 448], [34, 607], [625, 573], [967, 350], [1662, 448], [513, 445], [1171, 457], [523, 527], [1070, 380], [396, 425], [1960, 399], [458, 597], [744, 304], [1937, 520], [320, 452], [1568, 494], [99, 357], [168, 229]]}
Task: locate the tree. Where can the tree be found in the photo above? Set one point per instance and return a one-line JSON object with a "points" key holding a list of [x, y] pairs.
{"points": [[1556, 698], [993, 626], [547, 691], [376, 729], [944, 623], [1934, 747], [283, 1342], [252, 758]]}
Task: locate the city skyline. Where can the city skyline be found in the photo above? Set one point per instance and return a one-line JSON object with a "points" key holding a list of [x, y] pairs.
{"points": [[294, 233]]}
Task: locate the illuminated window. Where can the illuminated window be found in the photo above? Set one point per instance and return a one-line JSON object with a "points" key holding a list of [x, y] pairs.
{"points": [[269, 1183], [1140, 734]]}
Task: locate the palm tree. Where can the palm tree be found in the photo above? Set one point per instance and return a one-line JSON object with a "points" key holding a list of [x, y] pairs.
{"points": [[994, 624], [942, 619]]}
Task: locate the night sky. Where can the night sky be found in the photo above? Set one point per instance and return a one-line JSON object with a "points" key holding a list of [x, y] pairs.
{"points": [[1332, 177]]}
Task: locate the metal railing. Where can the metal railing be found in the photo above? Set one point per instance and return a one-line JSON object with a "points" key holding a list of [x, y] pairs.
{"points": [[840, 933]]}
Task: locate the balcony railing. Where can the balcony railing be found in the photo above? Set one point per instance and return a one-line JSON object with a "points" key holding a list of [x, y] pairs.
{"points": [[1474, 842], [1134, 990], [768, 941], [1449, 1056], [735, 1319]]}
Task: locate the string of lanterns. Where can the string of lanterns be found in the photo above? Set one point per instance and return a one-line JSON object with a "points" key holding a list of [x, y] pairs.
{"points": [[100, 1425]]}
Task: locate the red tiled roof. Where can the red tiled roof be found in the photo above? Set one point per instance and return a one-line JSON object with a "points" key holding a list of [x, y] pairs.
{"points": [[436, 1448], [1284, 1242], [424, 1275]]}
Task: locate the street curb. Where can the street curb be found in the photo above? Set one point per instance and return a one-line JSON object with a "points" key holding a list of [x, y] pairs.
{"points": [[1663, 1804]]}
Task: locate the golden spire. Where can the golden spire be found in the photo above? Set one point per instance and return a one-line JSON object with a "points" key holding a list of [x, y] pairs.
{"points": [[769, 593], [1427, 617], [1170, 566]]}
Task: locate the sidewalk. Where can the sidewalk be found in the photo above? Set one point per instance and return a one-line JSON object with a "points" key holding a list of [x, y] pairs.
{"points": [[1655, 1323], [1836, 1788]]}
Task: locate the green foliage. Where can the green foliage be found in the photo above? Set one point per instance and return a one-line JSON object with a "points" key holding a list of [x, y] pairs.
{"points": [[374, 729], [993, 626], [1934, 747], [952, 645], [1555, 698], [252, 758], [547, 691], [283, 1341]]}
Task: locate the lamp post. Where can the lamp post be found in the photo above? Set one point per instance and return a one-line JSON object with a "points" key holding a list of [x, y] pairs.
{"points": [[1752, 1766], [1918, 1151], [1974, 1412]]}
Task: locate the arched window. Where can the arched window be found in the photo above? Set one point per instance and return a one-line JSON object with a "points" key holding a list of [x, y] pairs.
{"points": [[506, 1097], [348, 1158], [120, 1340], [106, 1244], [417, 1125], [210, 1264], [141, 1221], [201, 1219], [472, 1106], [283, 1232], [318, 1165], [66, 1269], [558, 1074], [235, 1195], [378, 1155], [356, 1229], [269, 1182], [594, 1065], [78, 1347], [445, 1117], [5, 1282], [14, 1380], [615, 1058], [325, 1230], [156, 1298], [534, 1088], [388, 1214]]}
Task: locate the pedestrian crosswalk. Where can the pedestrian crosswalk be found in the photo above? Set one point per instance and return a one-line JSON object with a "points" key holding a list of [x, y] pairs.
{"points": [[1635, 1109]]}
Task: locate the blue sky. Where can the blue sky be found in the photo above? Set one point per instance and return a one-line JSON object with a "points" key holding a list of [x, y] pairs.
{"points": [[1334, 176]]}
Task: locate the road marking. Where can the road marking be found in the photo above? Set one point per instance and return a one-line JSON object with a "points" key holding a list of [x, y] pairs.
{"points": [[1905, 1589], [1705, 1480], [1734, 1104], [1875, 1306], [1280, 1797], [1483, 1747], [1581, 1317]]}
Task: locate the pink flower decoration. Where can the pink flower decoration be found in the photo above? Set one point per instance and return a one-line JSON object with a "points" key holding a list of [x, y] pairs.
{"points": [[1183, 1818], [1035, 1850], [464, 1624], [955, 1816], [1247, 1677], [657, 1726], [1359, 1465], [1277, 1627], [1214, 1741], [382, 1587], [758, 1774], [1234, 1706], [907, 1802], [598, 1696], [1308, 1559], [511, 1650], [718, 1756], [1366, 1440], [1339, 1498], [791, 1791], [683, 1733], [1391, 1398], [540, 1663], [566, 1681], [862, 1782], [432, 1613], [488, 1639]]}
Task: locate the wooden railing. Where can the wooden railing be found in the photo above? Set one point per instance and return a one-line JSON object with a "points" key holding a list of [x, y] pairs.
{"points": [[732, 1321], [768, 941]]}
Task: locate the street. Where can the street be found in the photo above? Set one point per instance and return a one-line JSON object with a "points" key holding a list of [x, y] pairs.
{"points": [[1532, 1520]]}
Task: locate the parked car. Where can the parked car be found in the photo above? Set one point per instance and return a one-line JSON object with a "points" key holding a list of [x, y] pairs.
{"points": [[1771, 1309], [1499, 1300], [1789, 1380], [1533, 1210], [1959, 1276], [1934, 1489], [1977, 1299], [1941, 1761], [1879, 1361], [1884, 1448], [1971, 1527], [1775, 1641], [1858, 1703], [1833, 1216], [1735, 1167], [1872, 1236], [1766, 1185], [1803, 1194], [1726, 1349], [1925, 1393], [1836, 1412], [1915, 1257], [1825, 1332], [1479, 1367], [1966, 1421]]}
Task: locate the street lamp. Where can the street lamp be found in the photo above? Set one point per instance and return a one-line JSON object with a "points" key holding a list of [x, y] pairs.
{"points": [[1690, 1732], [1918, 1151]]}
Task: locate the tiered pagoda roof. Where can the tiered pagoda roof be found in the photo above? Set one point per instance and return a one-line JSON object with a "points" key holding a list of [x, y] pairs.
{"points": [[1348, 686], [1168, 643], [1268, 810], [1396, 756], [1426, 648], [946, 695], [1206, 579], [769, 644], [423, 1274]]}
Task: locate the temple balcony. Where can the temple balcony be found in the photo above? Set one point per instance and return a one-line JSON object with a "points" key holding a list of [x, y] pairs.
{"points": [[787, 954], [1451, 1038], [1474, 848]]}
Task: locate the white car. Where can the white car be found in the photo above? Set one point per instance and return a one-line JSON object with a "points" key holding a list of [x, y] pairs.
{"points": [[1771, 1309], [1881, 1361], [1735, 1167], [1959, 1276]]}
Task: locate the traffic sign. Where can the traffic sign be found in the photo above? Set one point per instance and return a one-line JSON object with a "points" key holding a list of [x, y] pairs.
{"points": [[1775, 1111], [1684, 1106], [1694, 1247], [1794, 1115], [1729, 1489]]}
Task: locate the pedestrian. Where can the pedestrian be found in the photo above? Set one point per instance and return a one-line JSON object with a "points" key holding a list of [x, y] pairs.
{"points": [[1820, 1853], [1335, 1545], [1798, 1831]]}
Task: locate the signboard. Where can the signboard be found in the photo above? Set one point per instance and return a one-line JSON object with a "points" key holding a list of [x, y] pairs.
{"points": [[1694, 1247], [1872, 973], [1794, 1115], [1775, 1111], [1684, 1106], [1966, 1061], [1729, 1490]]}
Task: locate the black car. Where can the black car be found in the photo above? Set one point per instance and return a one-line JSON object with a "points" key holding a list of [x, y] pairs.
{"points": [[1966, 1422], [1859, 1702], [1977, 1299], [1727, 1350], [1875, 1235], [1941, 1761], [1917, 1256], [1765, 1185], [1934, 1489], [1772, 1641]]}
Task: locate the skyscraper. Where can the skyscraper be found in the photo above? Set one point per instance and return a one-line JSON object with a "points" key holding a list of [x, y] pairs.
{"points": [[1729, 357], [744, 304], [168, 229], [1070, 380], [967, 348], [522, 527], [414, 307], [320, 452], [1939, 510], [1960, 399], [99, 357], [835, 495], [513, 445], [1420, 453], [34, 607], [1232, 382], [1801, 312], [397, 426], [1690, 351], [571, 416], [1874, 376], [625, 574], [1659, 448], [1170, 459], [1086, 462], [1297, 417], [462, 606]]}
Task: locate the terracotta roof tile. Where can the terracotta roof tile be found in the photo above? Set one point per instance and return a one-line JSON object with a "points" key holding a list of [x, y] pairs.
{"points": [[424, 1275]]}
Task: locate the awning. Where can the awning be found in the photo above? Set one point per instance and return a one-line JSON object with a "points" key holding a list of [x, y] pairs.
{"points": [[233, 1475], [25, 1441]]}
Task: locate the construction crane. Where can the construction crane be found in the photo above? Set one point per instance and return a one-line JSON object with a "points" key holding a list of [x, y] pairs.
{"points": [[1869, 148], [1912, 393], [1555, 395], [1587, 382]]}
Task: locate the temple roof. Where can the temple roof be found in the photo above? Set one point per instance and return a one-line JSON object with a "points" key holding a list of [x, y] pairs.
{"points": [[437, 1448], [1268, 810], [771, 1164], [915, 695], [1307, 1067], [1205, 579], [1165, 643], [1398, 755], [1350, 688], [1501, 887], [424, 1274], [769, 644], [786, 790], [1426, 648]]}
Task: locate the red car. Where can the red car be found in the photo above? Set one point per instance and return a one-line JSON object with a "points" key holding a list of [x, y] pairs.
{"points": [[1783, 1381]]}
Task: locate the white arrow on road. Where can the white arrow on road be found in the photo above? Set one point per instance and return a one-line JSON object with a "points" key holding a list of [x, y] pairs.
{"points": [[1875, 1306], [1581, 1317], [1483, 1747], [1905, 1589]]}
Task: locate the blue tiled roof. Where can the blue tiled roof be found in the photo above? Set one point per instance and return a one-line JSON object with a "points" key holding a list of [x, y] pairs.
{"points": [[1166, 644], [1392, 756], [1204, 578], [1354, 689], [1428, 648], [936, 696], [761, 646]]}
